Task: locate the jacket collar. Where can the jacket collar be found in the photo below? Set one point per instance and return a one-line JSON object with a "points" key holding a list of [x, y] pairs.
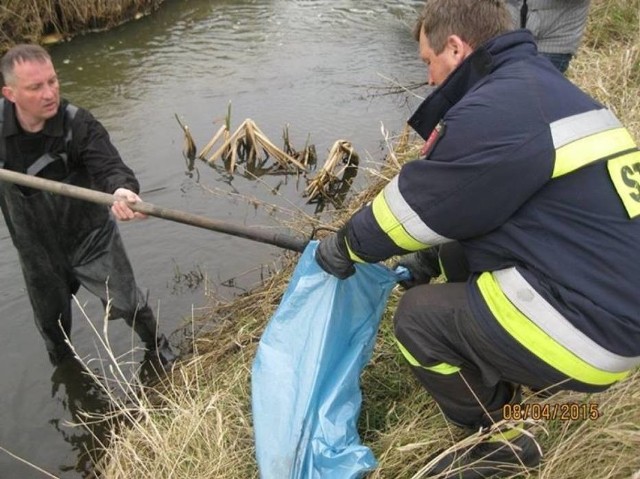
{"points": [[53, 127], [483, 61]]}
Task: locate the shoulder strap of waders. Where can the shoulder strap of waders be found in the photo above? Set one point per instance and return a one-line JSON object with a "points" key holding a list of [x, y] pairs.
{"points": [[46, 159], [3, 146]]}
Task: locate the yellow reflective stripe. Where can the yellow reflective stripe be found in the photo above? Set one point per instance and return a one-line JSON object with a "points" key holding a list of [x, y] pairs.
{"points": [[443, 368], [352, 255], [440, 368], [392, 226], [591, 148], [442, 270], [538, 341], [507, 435], [625, 175]]}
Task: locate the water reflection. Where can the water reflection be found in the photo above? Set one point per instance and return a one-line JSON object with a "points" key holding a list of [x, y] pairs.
{"points": [[78, 393]]}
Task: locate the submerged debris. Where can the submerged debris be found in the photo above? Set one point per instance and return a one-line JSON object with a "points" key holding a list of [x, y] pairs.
{"points": [[336, 175], [189, 146], [249, 146]]}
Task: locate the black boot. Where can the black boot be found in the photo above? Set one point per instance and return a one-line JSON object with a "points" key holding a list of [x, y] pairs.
{"points": [[500, 454], [160, 350]]}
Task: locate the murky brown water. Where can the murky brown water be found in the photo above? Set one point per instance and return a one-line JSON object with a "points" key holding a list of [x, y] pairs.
{"points": [[312, 64]]}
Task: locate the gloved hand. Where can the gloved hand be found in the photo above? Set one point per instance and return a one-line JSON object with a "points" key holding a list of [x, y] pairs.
{"points": [[333, 257], [423, 265]]}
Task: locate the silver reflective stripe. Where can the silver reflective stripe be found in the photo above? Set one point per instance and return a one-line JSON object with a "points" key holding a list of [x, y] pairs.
{"points": [[44, 161], [574, 127], [409, 219], [547, 318]]}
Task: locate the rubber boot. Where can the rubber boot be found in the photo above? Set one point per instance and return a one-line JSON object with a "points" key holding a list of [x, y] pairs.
{"points": [[161, 351], [144, 323], [500, 454]]}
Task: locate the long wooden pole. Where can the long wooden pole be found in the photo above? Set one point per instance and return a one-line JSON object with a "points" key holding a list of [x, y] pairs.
{"points": [[277, 239]]}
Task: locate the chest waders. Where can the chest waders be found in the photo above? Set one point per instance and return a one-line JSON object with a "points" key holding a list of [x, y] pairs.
{"points": [[64, 243]]}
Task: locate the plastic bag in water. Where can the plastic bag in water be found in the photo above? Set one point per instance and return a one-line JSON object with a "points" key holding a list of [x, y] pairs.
{"points": [[306, 375]]}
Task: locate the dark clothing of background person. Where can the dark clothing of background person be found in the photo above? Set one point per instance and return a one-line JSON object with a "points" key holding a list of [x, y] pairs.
{"points": [[558, 26], [64, 243]]}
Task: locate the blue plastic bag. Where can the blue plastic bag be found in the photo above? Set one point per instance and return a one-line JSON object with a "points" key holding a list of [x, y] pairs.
{"points": [[306, 374]]}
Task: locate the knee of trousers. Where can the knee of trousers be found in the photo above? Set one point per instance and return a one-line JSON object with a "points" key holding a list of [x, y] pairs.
{"points": [[415, 330]]}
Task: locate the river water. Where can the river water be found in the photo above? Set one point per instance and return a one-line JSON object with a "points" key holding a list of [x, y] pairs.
{"points": [[318, 66]]}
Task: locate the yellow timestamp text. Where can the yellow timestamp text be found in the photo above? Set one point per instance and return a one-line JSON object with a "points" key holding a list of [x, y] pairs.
{"points": [[571, 411]]}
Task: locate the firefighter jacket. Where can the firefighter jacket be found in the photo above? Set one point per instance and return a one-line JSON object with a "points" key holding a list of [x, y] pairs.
{"points": [[541, 186]]}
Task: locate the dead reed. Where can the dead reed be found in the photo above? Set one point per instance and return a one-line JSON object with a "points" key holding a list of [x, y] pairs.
{"points": [[50, 21]]}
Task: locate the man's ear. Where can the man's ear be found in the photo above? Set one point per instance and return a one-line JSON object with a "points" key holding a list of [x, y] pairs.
{"points": [[458, 48], [7, 91]]}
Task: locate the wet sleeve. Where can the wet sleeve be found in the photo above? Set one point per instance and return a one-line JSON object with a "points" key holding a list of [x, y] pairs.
{"points": [[100, 157]]}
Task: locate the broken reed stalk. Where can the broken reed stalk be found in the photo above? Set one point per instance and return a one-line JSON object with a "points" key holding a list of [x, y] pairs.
{"points": [[189, 145], [248, 138], [341, 153]]}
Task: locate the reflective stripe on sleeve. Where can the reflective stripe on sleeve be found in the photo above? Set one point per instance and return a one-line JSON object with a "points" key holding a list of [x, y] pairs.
{"points": [[541, 329], [587, 137], [400, 222]]}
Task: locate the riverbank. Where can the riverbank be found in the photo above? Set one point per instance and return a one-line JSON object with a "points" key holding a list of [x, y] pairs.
{"points": [[46, 22], [198, 423]]}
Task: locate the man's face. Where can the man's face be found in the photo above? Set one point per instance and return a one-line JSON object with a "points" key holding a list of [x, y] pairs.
{"points": [[35, 91], [442, 64]]}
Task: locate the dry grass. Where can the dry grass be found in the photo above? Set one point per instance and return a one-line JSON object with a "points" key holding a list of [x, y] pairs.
{"points": [[198, 424], [46, 21]]}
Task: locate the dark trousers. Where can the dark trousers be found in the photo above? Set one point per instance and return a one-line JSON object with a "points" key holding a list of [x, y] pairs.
{"points": [[435, 324]]}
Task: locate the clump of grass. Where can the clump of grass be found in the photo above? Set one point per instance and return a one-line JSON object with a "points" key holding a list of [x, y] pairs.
{"points": [[608, 64], [196, 422], [604, 448], [44, 21]]}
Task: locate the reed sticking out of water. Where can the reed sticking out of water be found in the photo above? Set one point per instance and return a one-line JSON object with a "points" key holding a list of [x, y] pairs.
{"points": [[46, 21], [249, 146], [336, 175]]}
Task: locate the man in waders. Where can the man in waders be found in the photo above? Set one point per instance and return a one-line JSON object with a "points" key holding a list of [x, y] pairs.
{"points": [[531, 190], [66, 243]]}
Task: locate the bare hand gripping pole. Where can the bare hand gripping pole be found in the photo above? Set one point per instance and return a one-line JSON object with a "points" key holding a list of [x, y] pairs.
{"points": [[277, 239]]}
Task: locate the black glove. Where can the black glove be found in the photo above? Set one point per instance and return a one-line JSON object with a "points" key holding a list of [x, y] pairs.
{"points": [[333, 257], [423, 265]]}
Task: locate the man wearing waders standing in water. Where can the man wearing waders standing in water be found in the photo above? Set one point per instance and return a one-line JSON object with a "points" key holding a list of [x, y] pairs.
{"points": [[65, 243]]}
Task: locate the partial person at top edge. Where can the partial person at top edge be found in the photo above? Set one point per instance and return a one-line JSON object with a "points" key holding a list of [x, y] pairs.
{"points": [[557, 25]]}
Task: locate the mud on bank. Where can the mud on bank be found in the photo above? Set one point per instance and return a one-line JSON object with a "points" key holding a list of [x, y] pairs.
{"points": [[51, 21]]}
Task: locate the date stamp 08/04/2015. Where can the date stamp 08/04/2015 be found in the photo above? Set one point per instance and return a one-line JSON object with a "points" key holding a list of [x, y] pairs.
{"points": [[571, 411]]}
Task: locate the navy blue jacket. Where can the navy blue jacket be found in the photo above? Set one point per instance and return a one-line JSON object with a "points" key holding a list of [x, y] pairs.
{"points": [[528, 172]]}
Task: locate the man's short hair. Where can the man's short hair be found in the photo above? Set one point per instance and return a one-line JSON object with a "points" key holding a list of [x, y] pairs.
{"points": [[21, 53], [474, 21]]}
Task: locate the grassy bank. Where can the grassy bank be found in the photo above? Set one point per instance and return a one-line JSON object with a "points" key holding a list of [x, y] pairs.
{"points": [[47, 21], [198, 424]]}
